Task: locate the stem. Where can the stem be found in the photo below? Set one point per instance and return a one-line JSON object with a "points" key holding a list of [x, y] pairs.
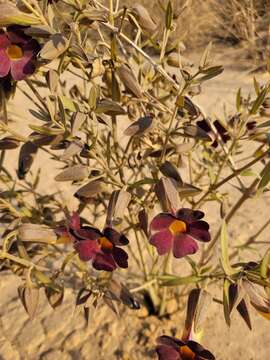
{"points": [[228, 217], [228, 178]]}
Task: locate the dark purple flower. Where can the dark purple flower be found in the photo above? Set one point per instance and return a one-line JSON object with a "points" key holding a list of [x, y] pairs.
{"points": [[103, 248], [179, 232], [17, 53], [223, 133], [169, 348], [7, 85]]}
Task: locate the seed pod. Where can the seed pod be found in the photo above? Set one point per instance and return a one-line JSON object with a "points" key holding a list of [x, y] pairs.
{"points": [[144, 19], [36, 233], [129, 80], [26, 158], [9, 143], [140, 126], [89, 190], [73, 173]]}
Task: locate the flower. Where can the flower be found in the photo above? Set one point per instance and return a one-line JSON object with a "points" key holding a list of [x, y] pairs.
{"points": [[17, 53], [103, 248], [169, 348], [179, 232]]}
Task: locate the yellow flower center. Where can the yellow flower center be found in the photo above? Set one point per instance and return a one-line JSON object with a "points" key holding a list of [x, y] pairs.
{"points": [[14, 52], [105, 243], [177, 226], [187, 353]]}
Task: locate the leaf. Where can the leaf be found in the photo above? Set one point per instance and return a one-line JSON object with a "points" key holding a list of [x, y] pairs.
{"points": [[55, 47], [146, 181], [265, 177], [226, 301], [45, 130], [139, 127], [29, 297], [264, 268], [204, 61], [144, 19], [77, 121], [169, 16], [186, 190], [73, 173], [10, 15], [259, 100], [36, 233], [69, 104], [238, 100], [224, 250], [52, 78], [170, 280]]}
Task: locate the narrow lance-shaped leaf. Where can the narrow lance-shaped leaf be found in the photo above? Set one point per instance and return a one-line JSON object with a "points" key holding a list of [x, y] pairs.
{"points": [[259, 100], [169, 15], [265, 177], [264, 269], [10, 15]]}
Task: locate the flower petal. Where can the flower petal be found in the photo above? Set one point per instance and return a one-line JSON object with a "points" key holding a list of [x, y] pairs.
{"points": [[170, 341], [184, 245], [189, 215], [25, 66], [199, 230], [4, 63], [200, 351], [20, 69], [161, 221], [86, 233], [4, 41], [86, 249], [16, 34], [120, 257], [167, 353], [104, 262], [75, 222], [115, 237], [162, 241]]}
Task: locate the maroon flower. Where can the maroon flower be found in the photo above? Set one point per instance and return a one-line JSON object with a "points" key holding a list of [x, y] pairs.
{"points": [[179, 232], [169, 348], [103, 248], [17, 53]]}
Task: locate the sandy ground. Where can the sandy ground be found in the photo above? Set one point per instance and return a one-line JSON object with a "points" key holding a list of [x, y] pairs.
{"points": [[62, 335]]}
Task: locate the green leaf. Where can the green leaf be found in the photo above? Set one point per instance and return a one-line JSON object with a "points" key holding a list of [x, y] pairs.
{"points": [[265, 265], [169, 16], [265, 177], [10, 15], [145, 181], [238, 100], [69, 104], [224, 250], [170, 280], [259, 100]]}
